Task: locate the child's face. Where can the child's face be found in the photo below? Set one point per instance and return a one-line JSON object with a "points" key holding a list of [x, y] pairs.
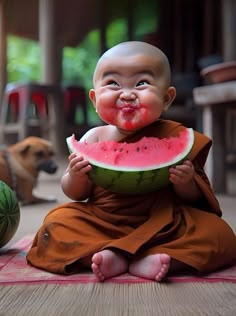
{"points": [[131, 92]]}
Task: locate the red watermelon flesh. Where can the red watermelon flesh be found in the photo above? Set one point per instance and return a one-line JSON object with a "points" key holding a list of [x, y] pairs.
{"points": [[146, 154], [138, 167]]}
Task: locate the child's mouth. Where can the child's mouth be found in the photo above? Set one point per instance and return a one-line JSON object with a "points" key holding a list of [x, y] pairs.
{"points": [[128, 109]]}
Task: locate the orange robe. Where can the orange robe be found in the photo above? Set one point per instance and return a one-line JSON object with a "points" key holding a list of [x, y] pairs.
{"points": [[158, 222]]}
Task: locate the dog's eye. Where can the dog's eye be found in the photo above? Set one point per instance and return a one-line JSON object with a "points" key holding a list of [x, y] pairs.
{"points": [[39, 154], [51, 153]]}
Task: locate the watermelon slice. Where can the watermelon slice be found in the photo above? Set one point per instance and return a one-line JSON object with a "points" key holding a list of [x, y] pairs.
{"points": [[132, 168], [9, 214]]}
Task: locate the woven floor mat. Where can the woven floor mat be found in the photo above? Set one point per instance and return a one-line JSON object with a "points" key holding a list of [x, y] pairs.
{"points": [[14, 270]]}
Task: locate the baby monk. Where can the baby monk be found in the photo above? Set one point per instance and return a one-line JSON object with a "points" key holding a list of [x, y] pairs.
{"points": [[174, 229]]}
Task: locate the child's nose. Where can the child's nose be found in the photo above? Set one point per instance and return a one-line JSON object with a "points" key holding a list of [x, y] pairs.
{"points": [[128, 94]]}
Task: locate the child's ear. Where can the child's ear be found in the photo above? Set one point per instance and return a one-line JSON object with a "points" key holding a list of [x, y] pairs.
{"points": [[92, 96], [169, 98]]}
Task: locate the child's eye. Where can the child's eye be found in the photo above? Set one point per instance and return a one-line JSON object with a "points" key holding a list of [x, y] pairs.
{"points": [[112, 83], [142, 83]]}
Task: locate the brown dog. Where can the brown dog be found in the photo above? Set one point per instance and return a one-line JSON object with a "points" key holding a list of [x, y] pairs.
{"points": [[21, 163]]}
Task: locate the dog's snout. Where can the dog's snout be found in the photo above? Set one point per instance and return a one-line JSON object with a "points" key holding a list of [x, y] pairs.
{"points": [[53, 168], [48, 166]]}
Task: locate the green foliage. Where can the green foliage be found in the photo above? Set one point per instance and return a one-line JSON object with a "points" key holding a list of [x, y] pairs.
{"points": [[79, 62], [116, 32], [23, 60], [145, 18]]}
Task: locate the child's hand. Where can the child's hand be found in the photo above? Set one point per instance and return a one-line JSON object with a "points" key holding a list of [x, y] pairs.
{"points": [[78, 166], [182, 174]]}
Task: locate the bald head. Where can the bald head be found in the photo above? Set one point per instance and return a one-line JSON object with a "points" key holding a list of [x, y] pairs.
{"points": [[134, 48]]}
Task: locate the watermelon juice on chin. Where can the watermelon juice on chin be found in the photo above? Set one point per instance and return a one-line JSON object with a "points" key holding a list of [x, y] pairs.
{"points": [[131, 168], [128, 125]]}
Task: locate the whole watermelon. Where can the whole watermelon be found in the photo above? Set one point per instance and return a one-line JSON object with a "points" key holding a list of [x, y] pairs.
{"points": [[9, 214]]}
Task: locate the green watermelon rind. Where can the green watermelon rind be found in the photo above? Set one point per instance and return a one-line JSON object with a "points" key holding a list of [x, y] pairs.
{"points": [[9, 214], [136, 181], [142, 181]]}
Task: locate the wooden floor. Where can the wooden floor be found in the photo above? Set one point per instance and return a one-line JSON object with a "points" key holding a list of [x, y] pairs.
{"points": [[97, 299]]}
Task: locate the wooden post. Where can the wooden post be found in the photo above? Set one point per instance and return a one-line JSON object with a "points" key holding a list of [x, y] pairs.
{"points": [[103, 25], [51, 49], [130, 12], [3, 49], [229, 29], [49, 43]]}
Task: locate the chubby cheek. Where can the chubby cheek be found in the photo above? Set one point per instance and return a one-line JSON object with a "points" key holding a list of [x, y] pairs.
{"points": [[108, 115], [106, 108]]}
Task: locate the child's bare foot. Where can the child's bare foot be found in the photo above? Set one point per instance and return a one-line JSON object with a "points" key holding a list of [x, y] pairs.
{"points": [[107, 264], [153, 267]]}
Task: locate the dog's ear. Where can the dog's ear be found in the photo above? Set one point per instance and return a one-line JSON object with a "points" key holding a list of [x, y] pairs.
{"points": [[24, 150]]}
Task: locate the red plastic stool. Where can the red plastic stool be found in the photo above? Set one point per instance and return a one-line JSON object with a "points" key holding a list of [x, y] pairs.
{"points": [[25, 106], [38, 101], [75, 98]]}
